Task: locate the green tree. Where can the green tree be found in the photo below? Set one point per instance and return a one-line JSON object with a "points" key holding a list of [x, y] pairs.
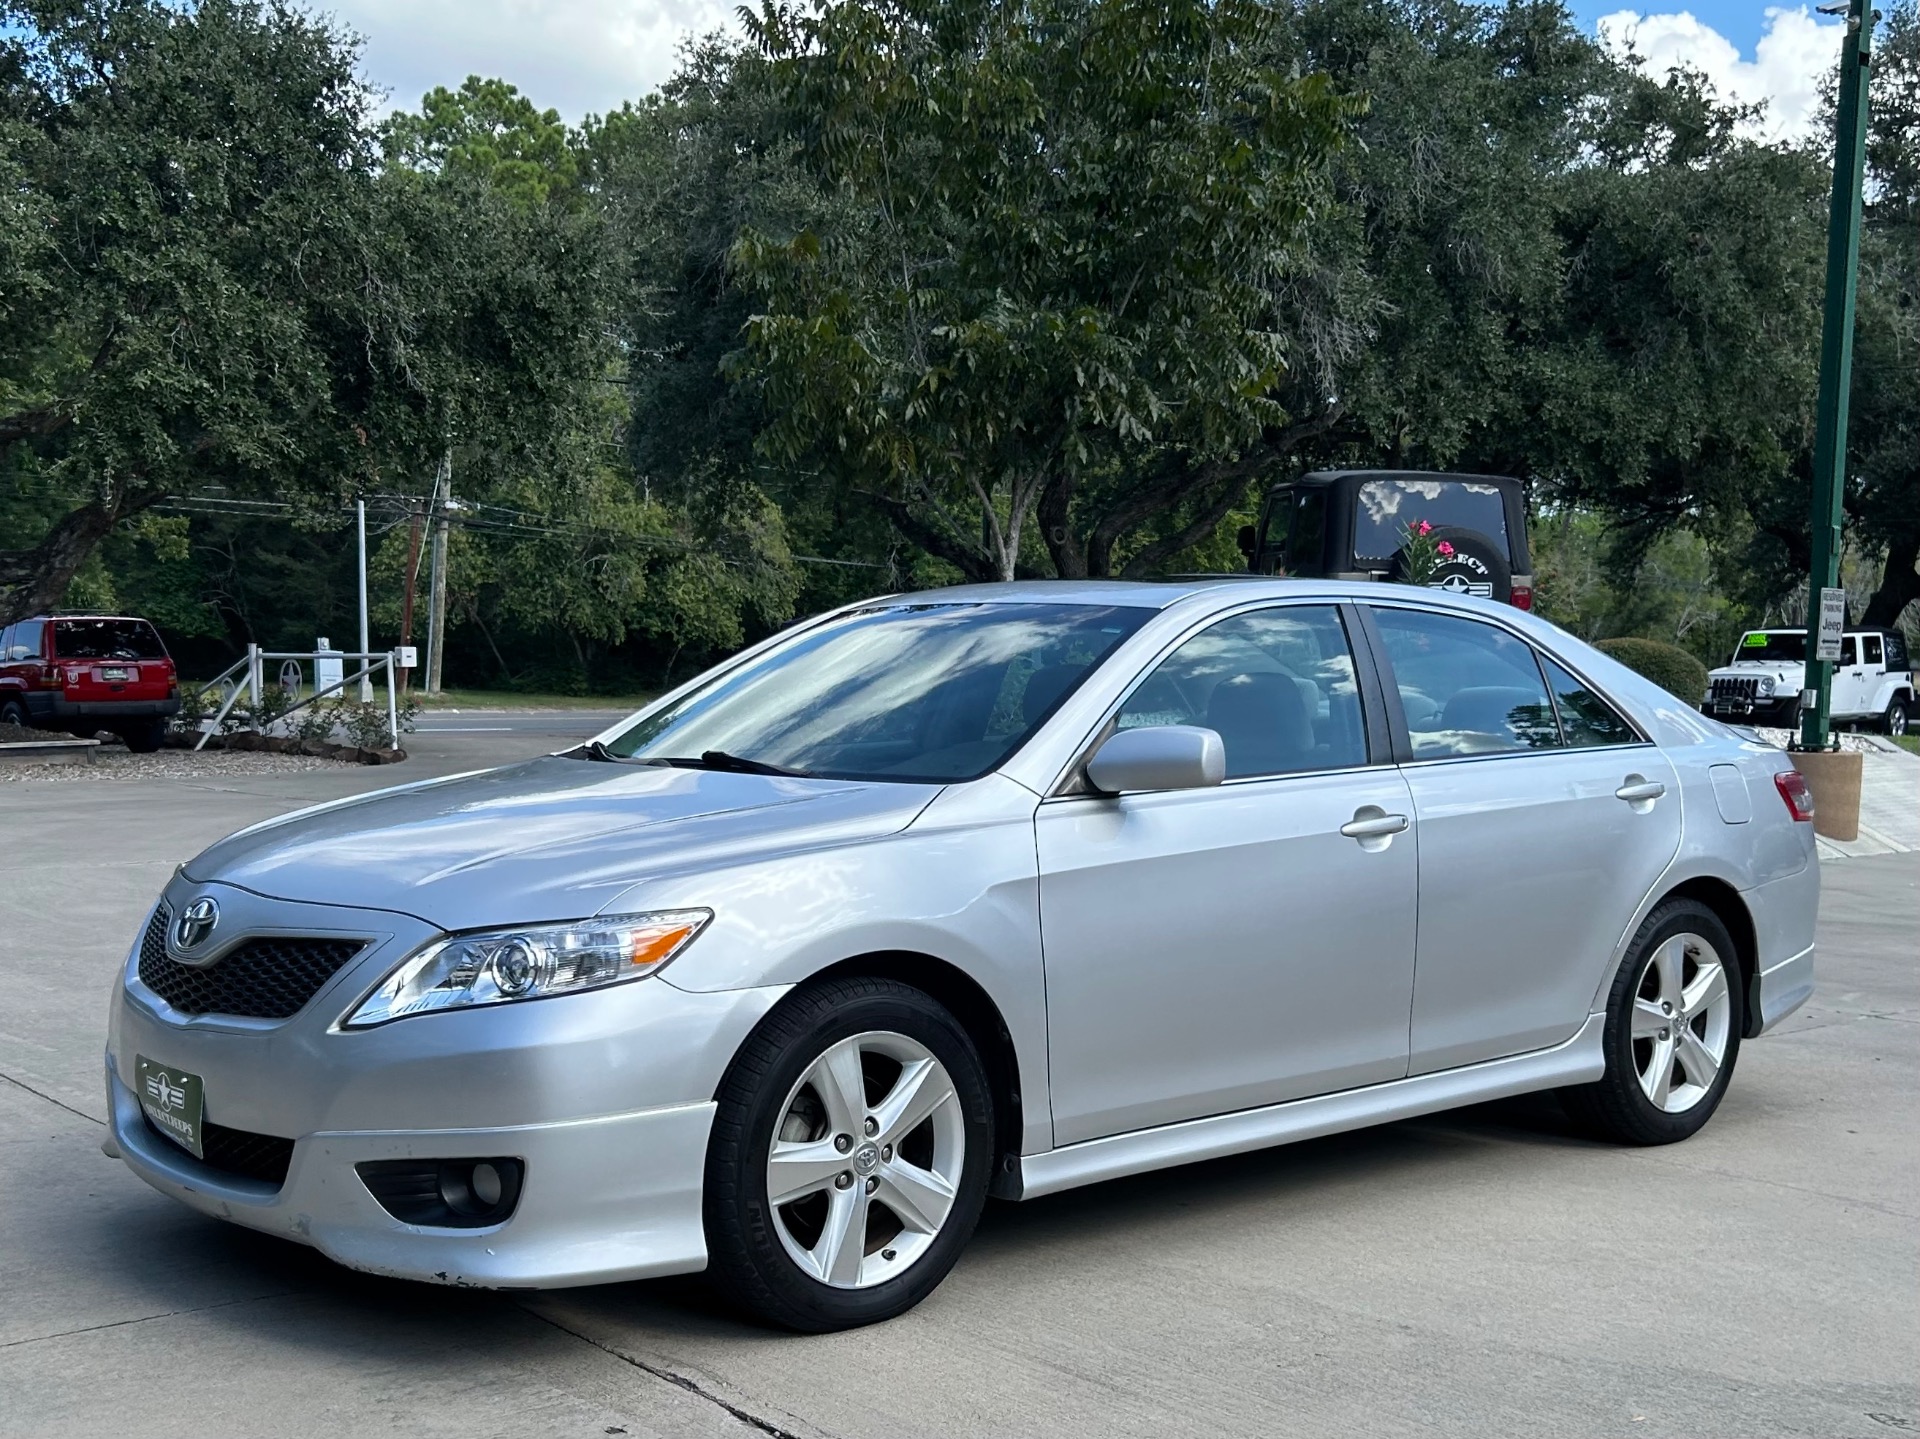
{"points": [[488, 129], [1050, 235]]}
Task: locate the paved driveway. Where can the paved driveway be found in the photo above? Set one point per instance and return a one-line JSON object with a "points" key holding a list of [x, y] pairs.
{"points": [[1487, 1273]]}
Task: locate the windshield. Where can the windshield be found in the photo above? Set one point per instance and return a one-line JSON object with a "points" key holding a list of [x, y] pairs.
{"points": [[1386, 507], [1772, 647], [106, 640], [927, 693]]}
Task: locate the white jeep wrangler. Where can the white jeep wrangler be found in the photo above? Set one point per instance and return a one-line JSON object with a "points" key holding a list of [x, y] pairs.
{"points": [[1872, 680]]}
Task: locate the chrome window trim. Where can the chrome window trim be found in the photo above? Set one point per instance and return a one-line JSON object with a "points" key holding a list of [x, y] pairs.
{"points": [[1083, 751]]}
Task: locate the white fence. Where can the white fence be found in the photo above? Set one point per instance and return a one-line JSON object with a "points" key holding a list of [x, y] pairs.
{"points": [[328, 674]]}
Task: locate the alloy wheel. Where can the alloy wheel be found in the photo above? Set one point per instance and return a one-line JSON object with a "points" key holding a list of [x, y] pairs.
{"points": [[866, 1160], [1682, 1016]]}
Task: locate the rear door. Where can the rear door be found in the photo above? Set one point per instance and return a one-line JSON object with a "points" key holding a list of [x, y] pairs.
{"points": [[1544, 821], [112, 659]]}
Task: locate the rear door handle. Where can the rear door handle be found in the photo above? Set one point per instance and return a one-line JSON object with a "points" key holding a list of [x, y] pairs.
{"points": [[1636, 789], [1376, 826]]}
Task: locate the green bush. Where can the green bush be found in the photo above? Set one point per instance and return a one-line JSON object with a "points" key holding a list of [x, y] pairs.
{"points": [[1669, 666]]}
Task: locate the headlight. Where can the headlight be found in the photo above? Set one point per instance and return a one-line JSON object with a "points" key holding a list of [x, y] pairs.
{"points": [[531, 963], [1765, 687]]}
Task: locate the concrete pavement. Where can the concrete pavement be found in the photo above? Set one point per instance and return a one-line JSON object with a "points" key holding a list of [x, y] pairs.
{"points": [[1483, 1273]]}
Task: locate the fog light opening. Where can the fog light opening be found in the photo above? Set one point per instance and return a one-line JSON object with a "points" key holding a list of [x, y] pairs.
{"points": [[445, 1193]]}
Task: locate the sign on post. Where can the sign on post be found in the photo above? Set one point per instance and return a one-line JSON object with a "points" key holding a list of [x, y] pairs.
{"points": [[329, 666], [1833, 622]]}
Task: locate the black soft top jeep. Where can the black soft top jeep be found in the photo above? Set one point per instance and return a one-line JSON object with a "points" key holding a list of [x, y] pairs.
{"points": [[1349, 524]]}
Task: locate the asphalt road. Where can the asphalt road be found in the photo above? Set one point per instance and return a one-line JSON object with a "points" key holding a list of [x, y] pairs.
{"points": [[1485, 1273]]}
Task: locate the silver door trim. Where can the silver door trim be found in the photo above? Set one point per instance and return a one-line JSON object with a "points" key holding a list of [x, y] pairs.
{"points": [[1575, 1061]]}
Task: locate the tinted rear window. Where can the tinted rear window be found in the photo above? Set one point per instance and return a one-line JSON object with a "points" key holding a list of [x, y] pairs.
{"points": [[106, 640], [1385, 507]]}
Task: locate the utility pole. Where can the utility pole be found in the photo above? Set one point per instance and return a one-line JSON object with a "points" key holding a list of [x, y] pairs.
{"points": [[406, 592], [360, 519], [1836, 366], [437, 594]]}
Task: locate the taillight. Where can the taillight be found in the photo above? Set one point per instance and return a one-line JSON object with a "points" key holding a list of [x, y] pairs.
{"points": [[1523, 596], [1793, 789]]}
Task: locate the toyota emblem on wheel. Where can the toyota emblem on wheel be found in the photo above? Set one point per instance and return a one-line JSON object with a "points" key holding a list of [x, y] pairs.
{"points": [[196, 922]]}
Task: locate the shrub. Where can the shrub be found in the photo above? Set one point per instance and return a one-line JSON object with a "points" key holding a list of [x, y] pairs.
{"points": [[1669, 666]]}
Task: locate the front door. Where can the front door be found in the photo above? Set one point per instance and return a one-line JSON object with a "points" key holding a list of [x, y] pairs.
{"points": [[1218, 949], [1544, 821]]}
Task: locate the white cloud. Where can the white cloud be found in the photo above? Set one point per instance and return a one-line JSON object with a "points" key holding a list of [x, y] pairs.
{"points": [[1795, 52], [575, 56]]}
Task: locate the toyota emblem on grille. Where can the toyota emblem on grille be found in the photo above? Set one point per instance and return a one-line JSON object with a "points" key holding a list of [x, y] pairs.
{"points": [[196, 922]]}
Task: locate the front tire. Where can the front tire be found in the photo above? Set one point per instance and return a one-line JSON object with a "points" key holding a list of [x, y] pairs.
{"points": [[14, 713], [1672, 1032], [849, 1158]]}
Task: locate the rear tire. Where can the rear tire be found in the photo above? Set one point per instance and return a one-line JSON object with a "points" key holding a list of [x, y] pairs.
{"points": [[828, 1093], [145, 738], [1894, 721], [1672, 1033]]}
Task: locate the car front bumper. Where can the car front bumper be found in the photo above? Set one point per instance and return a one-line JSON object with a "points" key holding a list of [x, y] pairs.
{"points": [[605, 1097]]}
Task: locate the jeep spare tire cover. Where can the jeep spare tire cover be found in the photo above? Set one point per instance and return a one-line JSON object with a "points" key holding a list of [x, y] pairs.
{"points": [[1476, 566]]}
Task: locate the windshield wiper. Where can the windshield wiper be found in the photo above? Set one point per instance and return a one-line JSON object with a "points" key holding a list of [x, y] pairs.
{"points": [[594, 749], [719, 759]]}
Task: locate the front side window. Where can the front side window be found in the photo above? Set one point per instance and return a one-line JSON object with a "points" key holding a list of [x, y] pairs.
{"points": [[1847, 651], [1277, 685], [1385, 508], [106, 640], [925, 693], [22, 642], [1586, 720], [1466, 687]]}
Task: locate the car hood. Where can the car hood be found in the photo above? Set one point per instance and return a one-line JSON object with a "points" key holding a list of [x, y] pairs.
{"points": [[1779, 670], [551, 839]]}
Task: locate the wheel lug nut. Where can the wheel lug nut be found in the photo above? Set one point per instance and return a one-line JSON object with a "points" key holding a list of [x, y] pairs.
{"points": [[843, 1180], [873, 1125], [843, 1142], [886, 1151], [872, 1184], [1663, 1034]]}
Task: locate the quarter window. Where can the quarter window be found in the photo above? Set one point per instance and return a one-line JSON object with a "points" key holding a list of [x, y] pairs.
{"points": [[1277, 686], [1586, 720], [1466, 687]]}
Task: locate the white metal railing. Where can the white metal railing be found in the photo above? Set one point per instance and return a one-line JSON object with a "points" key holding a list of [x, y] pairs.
{"points": [[370, 662]]}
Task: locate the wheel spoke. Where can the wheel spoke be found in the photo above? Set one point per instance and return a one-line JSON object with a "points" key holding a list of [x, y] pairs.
{"points": [[1658, 1077], [1649, 1019], [843, 1240], [919, 1197], [1709, 985], [836, 1078], [922, 1088], [795, 1170], [1668, 962], [1701, 1066]]}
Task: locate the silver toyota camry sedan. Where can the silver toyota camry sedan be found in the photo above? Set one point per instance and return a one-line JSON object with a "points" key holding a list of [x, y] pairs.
{"points": [[994, 890]]}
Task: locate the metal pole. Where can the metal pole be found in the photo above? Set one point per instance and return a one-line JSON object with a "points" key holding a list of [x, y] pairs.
{"points": [[1836, 354], [253, 677], [406, 596], [437, 591], [360, 519], [393, 709]]}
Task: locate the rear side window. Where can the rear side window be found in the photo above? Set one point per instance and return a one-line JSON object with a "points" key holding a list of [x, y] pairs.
{"points": [[1466, 688], [1386, 507], [106, 640], [1586, 720], [1870, 645]]}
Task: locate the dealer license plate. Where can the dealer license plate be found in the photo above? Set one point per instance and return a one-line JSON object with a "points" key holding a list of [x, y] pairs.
{"points": [[173, 1099], [111, 676]]}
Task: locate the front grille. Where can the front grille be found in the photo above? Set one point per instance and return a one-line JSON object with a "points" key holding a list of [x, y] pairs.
{"points": [[1731, 687], [265, 978], [238, 1151]]}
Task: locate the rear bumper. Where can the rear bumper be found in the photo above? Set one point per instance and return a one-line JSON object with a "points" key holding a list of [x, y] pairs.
{"points": [[1783, 989], [609, 1198], [61, 709]]}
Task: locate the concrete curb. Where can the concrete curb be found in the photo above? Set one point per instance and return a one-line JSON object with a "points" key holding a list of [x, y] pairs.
{"points": [[49, 751]]}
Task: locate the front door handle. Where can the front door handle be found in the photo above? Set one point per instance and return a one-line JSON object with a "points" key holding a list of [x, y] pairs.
{"points": [[1640, 791], [1375, 825]]}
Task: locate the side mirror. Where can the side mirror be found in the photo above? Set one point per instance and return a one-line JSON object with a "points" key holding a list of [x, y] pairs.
{"points": [[1158, 757], [1245, 538]]}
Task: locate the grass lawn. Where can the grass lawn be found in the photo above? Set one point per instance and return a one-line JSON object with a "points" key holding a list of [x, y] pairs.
{"points": [[1908, 742], [515, 700]]}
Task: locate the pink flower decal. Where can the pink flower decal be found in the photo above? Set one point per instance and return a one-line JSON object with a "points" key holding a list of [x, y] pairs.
{"points": [[1425, 528], [1445, 549]]}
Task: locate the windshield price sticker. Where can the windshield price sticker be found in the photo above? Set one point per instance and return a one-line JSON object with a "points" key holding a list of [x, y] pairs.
{"points": [[1833, 620]]}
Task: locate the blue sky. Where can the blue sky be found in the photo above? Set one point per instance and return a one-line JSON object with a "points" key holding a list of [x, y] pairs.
{"points": [[1739, 20]]}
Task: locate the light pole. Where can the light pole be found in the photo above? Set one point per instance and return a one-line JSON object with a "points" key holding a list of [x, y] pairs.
{"points": [[1836, 369]]}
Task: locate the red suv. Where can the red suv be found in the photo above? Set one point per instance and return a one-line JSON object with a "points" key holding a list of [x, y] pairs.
{"points": [[88, 672]]}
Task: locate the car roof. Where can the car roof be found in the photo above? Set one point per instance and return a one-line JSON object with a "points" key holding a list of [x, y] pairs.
{"points": [[1329, 477], [1224, 590]]}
